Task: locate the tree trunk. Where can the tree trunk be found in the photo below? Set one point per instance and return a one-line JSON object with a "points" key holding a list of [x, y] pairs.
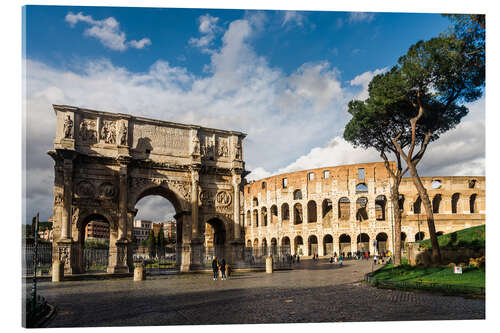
{"points": [[397, 223], [436, 253]]}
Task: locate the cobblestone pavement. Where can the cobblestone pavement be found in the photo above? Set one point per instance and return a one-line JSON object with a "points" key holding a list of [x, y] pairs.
{"points": [[317, 292]]}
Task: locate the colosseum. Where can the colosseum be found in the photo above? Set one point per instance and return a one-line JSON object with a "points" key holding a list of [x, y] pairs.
{"points": [[348, 208]]}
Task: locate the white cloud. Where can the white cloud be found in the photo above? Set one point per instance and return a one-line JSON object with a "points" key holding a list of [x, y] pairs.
{"points": [[356, 17], [107, 31], [363, 80], [140, 44], [208, 28], [154, 208], [293, 18]]}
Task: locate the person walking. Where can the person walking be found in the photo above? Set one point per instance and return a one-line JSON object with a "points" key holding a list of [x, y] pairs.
{"points": [[375, 259], [223, 269], [341, 258], [215, 267], [298, 259]]}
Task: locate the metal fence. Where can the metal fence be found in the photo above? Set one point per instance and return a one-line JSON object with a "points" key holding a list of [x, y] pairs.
{"points": [[44, 258], [95, 260], [255, 257]]}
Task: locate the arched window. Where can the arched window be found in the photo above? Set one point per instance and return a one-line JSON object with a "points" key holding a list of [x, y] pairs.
{"points": [[255, 202], [255, 218], [297, 195], [435, 203], [380, 204], [328, 245], [312, 215], [344, 208], [297, 214], [436, 184], [454, 202], [264, 216], [298, 242], [473, 204], [312, 245], [361, 212], [327, 213], [417, 206], [263, 185], [401, 202], [419, 236], [285, 212], [274, 214], [361, 188], [249, 218]]}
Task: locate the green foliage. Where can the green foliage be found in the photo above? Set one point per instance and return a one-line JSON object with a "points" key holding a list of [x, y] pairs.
{"points": [[96, 244], [471, 276], [474, 238], [161, 242], [151, 243]]}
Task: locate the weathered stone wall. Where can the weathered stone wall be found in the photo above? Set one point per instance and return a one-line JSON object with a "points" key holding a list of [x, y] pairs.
{"points": [[355, 209], [106, 162]]}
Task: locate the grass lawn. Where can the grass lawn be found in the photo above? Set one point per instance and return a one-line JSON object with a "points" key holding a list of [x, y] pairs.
{"points": [[474, 277], [471, 237]]}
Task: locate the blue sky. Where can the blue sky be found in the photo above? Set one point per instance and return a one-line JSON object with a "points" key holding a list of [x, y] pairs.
{"points": [[353, 43], [282, 77]]}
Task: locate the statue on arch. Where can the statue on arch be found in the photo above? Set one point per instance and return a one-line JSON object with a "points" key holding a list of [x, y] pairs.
{"points": [[68, 126]]}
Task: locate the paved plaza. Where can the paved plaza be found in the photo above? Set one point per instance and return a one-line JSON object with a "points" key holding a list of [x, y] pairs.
{"points": [[313, 292]]}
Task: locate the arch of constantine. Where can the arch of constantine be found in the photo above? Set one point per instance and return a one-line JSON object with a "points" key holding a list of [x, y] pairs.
{"points": [[106, 162], [348, 209]]}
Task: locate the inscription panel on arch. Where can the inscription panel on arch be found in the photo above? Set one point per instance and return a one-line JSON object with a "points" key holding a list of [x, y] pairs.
{"points": [[160, 139]]}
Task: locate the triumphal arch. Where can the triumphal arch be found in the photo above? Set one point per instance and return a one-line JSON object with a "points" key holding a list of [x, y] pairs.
{"points": [[106, 162]]}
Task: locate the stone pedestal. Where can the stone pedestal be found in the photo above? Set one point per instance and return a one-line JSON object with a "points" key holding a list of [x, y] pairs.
{"points": [[237, 253], [66, 254], [185, 257], [57, 271], [118, 258], [197, 255], [139, 273], [269, 265]]}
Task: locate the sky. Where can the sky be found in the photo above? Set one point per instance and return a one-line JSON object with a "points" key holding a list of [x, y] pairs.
{"points": [[282, 77]]}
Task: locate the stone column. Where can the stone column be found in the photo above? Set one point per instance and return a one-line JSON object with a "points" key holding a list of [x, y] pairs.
{"points": [[321, 245], [236, 205], [67, 198], [195, 179], [122, 222], [118, 256]]}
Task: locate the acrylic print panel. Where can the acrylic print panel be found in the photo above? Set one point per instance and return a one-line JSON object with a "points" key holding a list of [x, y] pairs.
{"points": [[226, 143]]}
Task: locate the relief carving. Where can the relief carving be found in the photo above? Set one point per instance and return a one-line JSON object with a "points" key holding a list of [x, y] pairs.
{"points": [[68, 126], [120, 254], [207, 146], [58, 199], [107, 190], [222, 148], [84, 189], [205, 197], [223, 199], [87, 132], [64, 255], [108, 131]]}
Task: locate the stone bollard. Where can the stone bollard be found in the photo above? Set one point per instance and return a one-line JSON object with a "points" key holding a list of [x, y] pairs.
{"points": [[57, 271], [138, 273], [269, 264]]}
